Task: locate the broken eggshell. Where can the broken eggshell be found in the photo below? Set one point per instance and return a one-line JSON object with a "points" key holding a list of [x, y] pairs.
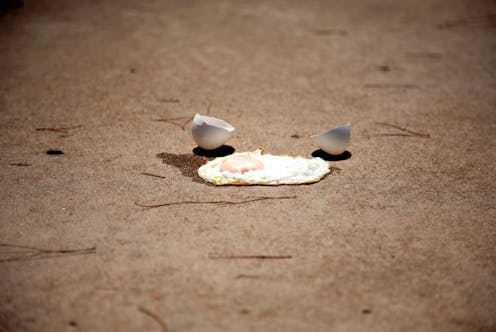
{"points": [[334, 141], [210, 133]]}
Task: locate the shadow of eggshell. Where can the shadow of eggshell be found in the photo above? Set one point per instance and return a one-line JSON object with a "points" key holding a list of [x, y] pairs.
{"points": [[329, 157], [222, 151]]}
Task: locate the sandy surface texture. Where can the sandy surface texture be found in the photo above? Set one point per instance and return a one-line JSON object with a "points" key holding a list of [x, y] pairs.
{"points": [[400, 237]]}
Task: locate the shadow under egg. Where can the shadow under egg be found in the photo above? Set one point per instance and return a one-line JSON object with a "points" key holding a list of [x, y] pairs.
{"points": [[222, 151], [329, 157]]}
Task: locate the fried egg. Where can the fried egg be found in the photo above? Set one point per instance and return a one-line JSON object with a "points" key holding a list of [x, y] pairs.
{"points": [[252, 168]]}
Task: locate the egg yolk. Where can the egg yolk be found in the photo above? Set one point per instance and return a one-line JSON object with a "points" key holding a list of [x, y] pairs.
{"points": [[241, 164]]}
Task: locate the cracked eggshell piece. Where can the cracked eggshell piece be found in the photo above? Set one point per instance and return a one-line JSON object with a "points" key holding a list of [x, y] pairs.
{"points": [[210, 133], [334, 141]]}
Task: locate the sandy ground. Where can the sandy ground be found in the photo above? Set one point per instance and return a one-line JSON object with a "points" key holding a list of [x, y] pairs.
{"points": [[401, 238]]}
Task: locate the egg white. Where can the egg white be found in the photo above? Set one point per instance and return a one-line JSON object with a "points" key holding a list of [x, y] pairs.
{"points": [[277, 170]]}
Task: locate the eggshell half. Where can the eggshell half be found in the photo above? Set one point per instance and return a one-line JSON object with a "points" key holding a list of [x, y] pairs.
{"points": [[210, 133], [334, 141]]}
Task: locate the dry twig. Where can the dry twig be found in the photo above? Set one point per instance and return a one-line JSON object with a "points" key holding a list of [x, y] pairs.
{"points": [[174, 122], [248, 276], [170, 100], [20, 164], [250, 200], [330, 31], [410, 132], [391, 85], [154, 175], [154, 317], [31, 253], [59, 129], [215, 256], [424, 55]]}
